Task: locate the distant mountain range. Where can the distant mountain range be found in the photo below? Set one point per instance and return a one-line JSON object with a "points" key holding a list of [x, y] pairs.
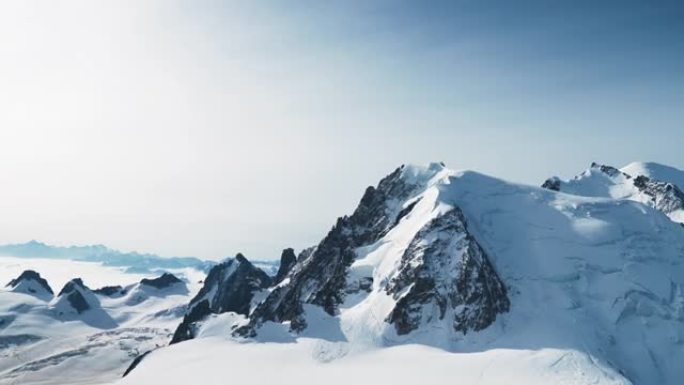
{"points": [[133, 261]]}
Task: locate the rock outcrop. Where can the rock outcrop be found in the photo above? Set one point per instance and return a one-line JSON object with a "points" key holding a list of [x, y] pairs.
{"points": [[229, 287], [161, 282], [287, 261], [445, 268]]}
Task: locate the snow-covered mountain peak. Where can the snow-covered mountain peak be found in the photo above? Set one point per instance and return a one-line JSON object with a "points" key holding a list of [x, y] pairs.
{"points": [[424, 175], [164, 281], [649, 183], [30, 282], [75, 298], [229, 287]]}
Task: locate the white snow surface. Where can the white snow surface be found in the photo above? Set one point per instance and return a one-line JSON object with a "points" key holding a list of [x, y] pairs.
{"points": [[594, 279], [44, 341]]}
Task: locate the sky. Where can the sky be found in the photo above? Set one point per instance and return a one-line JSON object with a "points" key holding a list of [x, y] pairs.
{"points": [[208, 128]]}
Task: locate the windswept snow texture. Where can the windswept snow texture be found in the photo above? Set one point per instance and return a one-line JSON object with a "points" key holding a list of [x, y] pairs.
{"points": [[443, 275]]}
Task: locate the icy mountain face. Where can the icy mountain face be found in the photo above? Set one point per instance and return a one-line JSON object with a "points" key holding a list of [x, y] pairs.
{"points": [[229, 287], [30, 282], [322, 276], [444, 272], [609, 182], [438, 274]]}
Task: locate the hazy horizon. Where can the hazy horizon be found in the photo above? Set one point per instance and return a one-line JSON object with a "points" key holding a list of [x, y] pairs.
{"points": [[210, 128]]}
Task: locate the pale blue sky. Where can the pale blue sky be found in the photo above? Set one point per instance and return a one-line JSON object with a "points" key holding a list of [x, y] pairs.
{"points": [[210, 127]]}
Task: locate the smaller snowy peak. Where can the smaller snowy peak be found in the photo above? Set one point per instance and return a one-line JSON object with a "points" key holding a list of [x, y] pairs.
{"points": [[30, 282], [287, 261], [164, 281], [75, 298], [598, 180], [638, 185], [656, 171], [75, 284], [229, 287], [165, 285]]}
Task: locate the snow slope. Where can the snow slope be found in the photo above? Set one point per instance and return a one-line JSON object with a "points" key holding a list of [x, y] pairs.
{"points": [[217, 361], [593, 279]]}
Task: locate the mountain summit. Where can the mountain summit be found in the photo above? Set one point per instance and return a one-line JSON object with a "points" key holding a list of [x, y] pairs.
{"points": [[589, 268]]}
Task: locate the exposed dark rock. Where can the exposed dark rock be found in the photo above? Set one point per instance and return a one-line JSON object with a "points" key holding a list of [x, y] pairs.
{"points": [[73, 285], [161, 282], [78, 302], [360, 284], [136, 362], [287, 260], [641, 182], [608, 170], [185, 331], [405, 211], [30, 275], [73, 292], [320, 277], [446, 267], [665, 197], [366, 283], [552, 184], [229, 287], [110, 290]]}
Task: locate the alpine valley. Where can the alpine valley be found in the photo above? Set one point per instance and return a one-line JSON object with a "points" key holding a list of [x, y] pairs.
{"points": [[438, 276]]}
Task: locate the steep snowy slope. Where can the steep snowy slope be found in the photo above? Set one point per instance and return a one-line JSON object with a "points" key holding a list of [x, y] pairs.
{"points": [[537, 285]]}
